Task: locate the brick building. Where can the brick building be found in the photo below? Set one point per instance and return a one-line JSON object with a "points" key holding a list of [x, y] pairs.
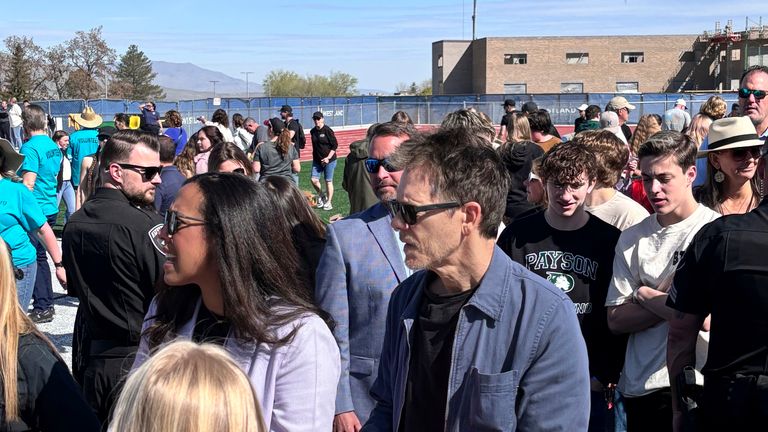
{"points": [[596, 64]]}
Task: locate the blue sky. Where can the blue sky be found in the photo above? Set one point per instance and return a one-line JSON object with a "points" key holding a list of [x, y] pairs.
{"points": [[381, 43]]}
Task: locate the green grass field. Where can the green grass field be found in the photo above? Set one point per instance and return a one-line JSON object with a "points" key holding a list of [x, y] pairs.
{"points": [[340, 199]]}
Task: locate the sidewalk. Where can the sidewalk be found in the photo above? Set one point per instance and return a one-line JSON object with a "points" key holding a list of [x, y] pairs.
{"points": [[59, 331]]}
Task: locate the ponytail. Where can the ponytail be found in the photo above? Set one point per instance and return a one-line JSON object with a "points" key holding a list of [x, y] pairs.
{"points": [[284, 142]]}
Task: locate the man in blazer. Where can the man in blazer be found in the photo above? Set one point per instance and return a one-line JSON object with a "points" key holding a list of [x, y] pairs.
{"points": [[361, 264]]}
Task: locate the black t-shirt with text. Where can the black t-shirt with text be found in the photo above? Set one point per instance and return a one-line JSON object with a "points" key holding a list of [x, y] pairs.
{"points": [[426, 391], [323, 141], [580, 263]]}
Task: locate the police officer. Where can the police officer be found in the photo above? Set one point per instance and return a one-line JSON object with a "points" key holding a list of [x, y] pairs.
{"points": [[724, 273], [113, 264]]}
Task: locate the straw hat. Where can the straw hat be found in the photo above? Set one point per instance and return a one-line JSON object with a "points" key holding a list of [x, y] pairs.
{"points": [[88, 118], [729, 133], [11, 158]]}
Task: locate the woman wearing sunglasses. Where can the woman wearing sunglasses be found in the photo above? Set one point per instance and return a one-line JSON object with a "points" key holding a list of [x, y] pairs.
{"points": [[234, 280], [731, 186]]}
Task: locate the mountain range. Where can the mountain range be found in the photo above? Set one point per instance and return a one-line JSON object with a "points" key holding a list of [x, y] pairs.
{"points": [[184, 81]]}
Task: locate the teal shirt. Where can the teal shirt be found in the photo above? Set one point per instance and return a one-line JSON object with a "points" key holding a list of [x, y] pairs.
{"points": [[82, 143], [43, 157], [19, 214]]}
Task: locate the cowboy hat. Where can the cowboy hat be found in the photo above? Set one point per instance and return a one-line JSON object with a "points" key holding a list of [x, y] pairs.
{"points": [[729, 133], [88, 118], [11, 158]]}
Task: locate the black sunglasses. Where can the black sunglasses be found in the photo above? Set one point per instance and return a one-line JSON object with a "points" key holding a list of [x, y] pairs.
{"points": [[745, 92], [372, 165], [409, 213], [742, 153], [148, 172], [174, 221]]}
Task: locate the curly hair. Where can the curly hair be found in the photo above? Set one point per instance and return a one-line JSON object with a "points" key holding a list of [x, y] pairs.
{"points": [[172, 118], [566, 162], [714, 108]]}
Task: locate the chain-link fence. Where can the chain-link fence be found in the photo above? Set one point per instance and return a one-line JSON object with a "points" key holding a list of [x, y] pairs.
{"points": [[365, 110]]}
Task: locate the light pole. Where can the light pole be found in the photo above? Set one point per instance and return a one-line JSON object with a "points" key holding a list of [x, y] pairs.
{"points": [[247, 90], [214, 87]]}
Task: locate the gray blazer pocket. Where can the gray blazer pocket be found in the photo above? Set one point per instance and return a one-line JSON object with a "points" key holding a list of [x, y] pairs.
{"points": [[361, 366]]}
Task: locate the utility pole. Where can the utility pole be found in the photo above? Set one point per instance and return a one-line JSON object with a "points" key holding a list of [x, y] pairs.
{"points": [[214, 87], [474, 18], [247, 91]]}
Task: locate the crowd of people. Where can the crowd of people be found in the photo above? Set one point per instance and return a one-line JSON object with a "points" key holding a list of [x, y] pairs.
{"points": [[520, 278]]}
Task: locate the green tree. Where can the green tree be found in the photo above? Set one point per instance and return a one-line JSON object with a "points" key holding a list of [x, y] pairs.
{"points": [[23, 73], [290, 84], [91, 60], [134, 71]]}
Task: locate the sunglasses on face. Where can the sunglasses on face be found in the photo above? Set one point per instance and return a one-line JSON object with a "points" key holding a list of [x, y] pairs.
{"points": [[409, 213], [174, 221], [372, 165], [745, 92], [147, 172], [745, 152]]}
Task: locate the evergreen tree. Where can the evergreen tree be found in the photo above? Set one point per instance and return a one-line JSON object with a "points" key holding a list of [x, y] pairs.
{"points": [[135, 76]]}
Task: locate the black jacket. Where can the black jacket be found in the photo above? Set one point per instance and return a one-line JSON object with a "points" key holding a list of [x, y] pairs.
{"points": [[49, 399]]}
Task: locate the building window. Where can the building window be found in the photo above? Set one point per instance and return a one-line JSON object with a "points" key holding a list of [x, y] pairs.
{"points": [[519, 88], [736, 54], [627, 87], [516, 59], [632, 57], [440, 61], [571, 87], [577, 58]]}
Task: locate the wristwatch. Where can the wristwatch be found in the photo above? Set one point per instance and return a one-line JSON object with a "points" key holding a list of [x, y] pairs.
{"points": [[58, 264]]}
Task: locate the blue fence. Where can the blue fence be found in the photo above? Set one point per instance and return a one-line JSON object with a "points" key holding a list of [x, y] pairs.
{"points": [[365, 110]]}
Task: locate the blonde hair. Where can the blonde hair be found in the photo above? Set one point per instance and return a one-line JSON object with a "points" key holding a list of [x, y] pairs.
{"points": [[714, 108], [13, 322], [699, 128], [518, 129], [647, 125], [187, 387]]}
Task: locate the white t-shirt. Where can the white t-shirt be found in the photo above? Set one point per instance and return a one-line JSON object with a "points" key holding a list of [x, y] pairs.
{"points": [[645, 255], [620, 211]]}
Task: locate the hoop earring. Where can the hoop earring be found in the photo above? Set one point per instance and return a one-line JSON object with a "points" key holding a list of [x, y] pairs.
{"points": [[719, 176]]}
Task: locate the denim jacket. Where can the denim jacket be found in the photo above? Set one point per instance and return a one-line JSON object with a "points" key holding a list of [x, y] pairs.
{"points": [[519, 361]]}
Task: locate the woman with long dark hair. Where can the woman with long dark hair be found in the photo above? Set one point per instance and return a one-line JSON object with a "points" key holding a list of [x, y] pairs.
{"points": [[228, 157], [277, 156], [233, 279], [36, 390], [307, 230], [207, 138]]}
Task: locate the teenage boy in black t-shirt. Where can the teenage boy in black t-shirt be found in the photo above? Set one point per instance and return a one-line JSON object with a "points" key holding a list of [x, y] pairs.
{"points": [[574, 251]]}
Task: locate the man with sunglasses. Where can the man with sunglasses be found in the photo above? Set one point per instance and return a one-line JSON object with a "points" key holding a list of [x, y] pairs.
{"points": [[752, 101], [474, 341], [361, 264], [113, 265], [574, 251]]}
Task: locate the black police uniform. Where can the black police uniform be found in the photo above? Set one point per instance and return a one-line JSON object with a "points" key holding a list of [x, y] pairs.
{"points": [[112, 267], [724, 272]]}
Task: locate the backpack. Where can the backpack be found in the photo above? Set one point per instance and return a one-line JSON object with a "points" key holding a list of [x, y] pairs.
{"points": [[301, 140]]}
